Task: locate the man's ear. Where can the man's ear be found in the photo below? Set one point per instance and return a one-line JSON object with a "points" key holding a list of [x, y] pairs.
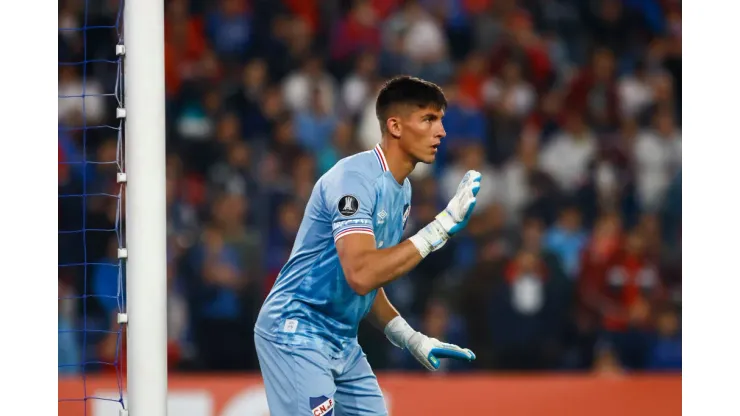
{"points": [[393, 125]]}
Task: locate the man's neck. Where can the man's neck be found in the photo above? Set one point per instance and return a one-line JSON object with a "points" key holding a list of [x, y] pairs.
{"points": [[399, 163]]}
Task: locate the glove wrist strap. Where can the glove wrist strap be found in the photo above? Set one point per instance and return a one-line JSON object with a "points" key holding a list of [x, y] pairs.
{"points": [[430, 238], [398, 332], [445, 220]]}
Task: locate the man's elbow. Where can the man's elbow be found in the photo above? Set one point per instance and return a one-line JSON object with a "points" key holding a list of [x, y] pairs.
{"points": [[358, 282]]}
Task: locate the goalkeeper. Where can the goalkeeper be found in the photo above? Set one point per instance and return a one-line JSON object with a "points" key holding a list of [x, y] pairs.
{"points": [[347, 248]]}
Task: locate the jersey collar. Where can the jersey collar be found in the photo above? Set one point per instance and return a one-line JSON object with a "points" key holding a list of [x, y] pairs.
{"points": [[381, 158]]}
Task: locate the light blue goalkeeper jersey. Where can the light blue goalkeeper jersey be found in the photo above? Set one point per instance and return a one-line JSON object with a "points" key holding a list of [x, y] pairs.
{"points": [[311, 299]]}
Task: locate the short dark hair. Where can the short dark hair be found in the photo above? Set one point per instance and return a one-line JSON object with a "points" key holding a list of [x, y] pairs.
{"points": [[407, 90]]}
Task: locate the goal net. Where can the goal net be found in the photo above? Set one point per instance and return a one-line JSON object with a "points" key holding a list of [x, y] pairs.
{"points": [[91, 272]]}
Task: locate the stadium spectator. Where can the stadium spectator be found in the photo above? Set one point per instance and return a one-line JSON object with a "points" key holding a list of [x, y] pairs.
{"points": [[423, 39], [358, 87], [303, 176], [217, 285], [284, 145], [609, 184], [625, 295], [306, 10], [246, 99], [516, 177], [342, 145], [593, 91], [184, 46], [368, 126], [526, 312], [521, 41], [635, 91], [465, 124], [657, 155], [547, 117], [608, 23], [509, 95], [182, 216], [487, 227], [665, 348], [356, 33], [315, 125], [566, 239], [76, 95], [568, 154], [280, 240], [229, 29], [299, 88], [471, 78]]}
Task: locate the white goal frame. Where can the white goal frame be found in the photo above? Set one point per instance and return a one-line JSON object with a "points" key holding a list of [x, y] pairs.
{"points": [[146, 264]]}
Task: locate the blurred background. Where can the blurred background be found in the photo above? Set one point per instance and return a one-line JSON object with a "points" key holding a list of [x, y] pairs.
{"points": [[571, 109]]}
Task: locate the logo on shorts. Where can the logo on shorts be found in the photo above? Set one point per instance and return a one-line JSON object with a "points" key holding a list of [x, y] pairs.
{"points": [[290, 326], [348, 205], [322, 406]]}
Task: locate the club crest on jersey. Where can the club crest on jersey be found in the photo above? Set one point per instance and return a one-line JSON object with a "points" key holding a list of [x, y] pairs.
{"points": [[406, 211], [322, 406], [348, 205]]}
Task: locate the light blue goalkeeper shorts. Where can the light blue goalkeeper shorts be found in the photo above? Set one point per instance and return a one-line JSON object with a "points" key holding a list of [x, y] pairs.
{"points": [[311, 380]]}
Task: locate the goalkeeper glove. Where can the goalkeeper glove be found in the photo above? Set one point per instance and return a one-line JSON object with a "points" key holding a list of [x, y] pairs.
{"points": [[426, 350], [453, 219]]}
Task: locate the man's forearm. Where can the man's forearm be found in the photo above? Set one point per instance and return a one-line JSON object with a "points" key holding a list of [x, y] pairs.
{"points": [[376, 268], [382, 311]]}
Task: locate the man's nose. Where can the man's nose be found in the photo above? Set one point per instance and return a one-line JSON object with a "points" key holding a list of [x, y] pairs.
{"points": [[442, 133]]}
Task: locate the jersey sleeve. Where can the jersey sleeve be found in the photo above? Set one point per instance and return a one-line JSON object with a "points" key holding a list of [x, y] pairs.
{"points": [[350, 200]]}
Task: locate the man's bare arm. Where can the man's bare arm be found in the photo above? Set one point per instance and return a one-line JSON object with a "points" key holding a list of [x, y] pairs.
{"points": [[382, 311], [366, 268]]}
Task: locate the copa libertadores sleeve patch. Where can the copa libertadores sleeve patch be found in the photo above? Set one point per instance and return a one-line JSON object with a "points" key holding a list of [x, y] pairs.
{"points": [[348, 205]]}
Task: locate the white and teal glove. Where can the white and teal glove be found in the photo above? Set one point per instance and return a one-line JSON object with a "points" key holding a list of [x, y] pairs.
{"points": [[426, 350], [453, 219]]}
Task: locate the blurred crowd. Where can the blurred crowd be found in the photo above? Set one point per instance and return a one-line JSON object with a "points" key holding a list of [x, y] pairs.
{"points": [[571, 109]]}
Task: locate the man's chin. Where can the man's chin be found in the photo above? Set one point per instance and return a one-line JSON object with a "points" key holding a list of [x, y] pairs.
{"points": [[427, 159]]}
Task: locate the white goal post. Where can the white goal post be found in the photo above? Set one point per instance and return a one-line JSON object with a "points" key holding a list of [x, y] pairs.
{"points": [[146, 265]]}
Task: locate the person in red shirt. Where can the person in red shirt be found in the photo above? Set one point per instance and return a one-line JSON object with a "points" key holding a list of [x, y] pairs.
{"points": [[522, 41], [472, 76], [622, 291], [185, 45], [594, 91], [307, 10], [355, 33]]}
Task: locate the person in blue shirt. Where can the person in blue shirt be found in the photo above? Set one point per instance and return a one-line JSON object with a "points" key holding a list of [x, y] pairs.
{"points": [[347, 248], [566, 239]]}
